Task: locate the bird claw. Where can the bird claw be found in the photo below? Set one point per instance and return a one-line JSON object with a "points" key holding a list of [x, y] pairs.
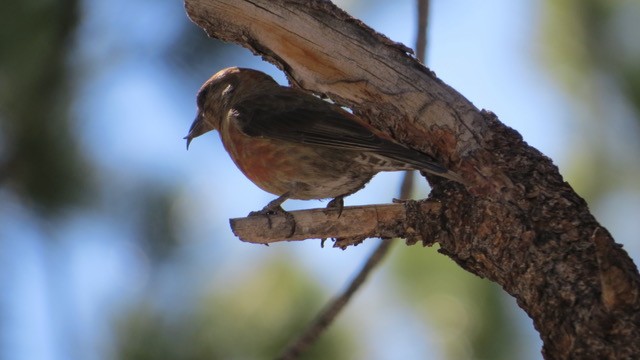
{"points": [[270, 211], [336, 204]]}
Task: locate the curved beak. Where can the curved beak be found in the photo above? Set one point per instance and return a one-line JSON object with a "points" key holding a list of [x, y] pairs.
{"points": [[197, 128]]}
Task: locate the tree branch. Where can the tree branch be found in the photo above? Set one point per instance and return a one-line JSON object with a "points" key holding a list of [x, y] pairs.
{"points": [[353, 225], [517, 222]]}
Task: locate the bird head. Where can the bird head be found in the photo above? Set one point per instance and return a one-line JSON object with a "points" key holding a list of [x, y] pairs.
{"points": [[218, 95]]}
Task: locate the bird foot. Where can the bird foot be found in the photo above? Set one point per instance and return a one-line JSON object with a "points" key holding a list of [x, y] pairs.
{"points": [[277, 210], [336, 204]]}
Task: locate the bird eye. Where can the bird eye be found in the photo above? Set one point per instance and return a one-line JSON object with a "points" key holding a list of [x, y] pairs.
{"points": [[200, 100]]}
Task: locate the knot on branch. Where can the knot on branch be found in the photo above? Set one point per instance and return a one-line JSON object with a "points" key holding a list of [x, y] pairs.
{"points": [[619, 287]]}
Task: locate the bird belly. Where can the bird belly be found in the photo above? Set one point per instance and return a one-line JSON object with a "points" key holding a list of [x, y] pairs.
{"points": [[305, 172]]}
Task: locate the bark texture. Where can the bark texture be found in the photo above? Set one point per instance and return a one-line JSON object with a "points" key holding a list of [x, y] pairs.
{"points": [[516, 222], [349, 227]]}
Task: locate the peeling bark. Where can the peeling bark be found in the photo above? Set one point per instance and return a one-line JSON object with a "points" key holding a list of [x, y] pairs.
{"points": [[517, 222]]}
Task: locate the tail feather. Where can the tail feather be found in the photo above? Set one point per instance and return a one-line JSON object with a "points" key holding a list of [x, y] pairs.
{"points": [[423, 162], [452, 176]]}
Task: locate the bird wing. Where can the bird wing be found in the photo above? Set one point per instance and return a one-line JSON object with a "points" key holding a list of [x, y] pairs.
{"points": [[322, 124]]}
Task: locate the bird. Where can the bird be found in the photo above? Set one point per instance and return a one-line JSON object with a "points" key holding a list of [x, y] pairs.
{"points": [[296, 145]]}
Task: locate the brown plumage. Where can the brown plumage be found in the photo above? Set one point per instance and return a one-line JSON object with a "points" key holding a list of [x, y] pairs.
{"points": [[295, 145]]}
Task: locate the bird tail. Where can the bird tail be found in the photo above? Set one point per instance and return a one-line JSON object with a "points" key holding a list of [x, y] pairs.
{"points": [[451, 176], [423, 162]]}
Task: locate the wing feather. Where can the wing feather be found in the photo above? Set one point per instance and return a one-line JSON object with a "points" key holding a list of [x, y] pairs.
{"points": [[323, 124]]}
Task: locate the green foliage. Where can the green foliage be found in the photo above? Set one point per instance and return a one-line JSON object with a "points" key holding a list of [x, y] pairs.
{"points": [[253, 317], [40, 158], [593, 52], [469, 315]]}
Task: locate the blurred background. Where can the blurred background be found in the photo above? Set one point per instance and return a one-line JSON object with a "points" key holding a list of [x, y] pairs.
{"points": [[114, 240]]}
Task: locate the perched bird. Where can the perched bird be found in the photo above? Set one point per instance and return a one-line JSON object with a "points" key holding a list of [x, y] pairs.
{"points": [[296, 145]]}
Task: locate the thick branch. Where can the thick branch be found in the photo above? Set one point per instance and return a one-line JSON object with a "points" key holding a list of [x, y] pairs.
{"points": [[517, 223]]}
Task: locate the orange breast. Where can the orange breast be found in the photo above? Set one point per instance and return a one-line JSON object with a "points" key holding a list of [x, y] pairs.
{"points": [[265, 162], [305, 171]]}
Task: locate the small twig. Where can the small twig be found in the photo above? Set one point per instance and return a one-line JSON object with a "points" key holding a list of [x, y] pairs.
{"points": [[406, 187], [421, 36], [333, 308]]}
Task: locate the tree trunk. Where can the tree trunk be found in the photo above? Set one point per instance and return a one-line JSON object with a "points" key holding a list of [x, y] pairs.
{"points": [[516, 222]]}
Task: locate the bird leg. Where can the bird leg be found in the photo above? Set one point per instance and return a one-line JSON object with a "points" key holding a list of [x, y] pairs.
{"points": [[274, 207], [336, 204]]}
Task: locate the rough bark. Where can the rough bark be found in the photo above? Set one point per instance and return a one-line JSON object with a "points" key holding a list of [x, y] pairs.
{"points": [[516, 223]]}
